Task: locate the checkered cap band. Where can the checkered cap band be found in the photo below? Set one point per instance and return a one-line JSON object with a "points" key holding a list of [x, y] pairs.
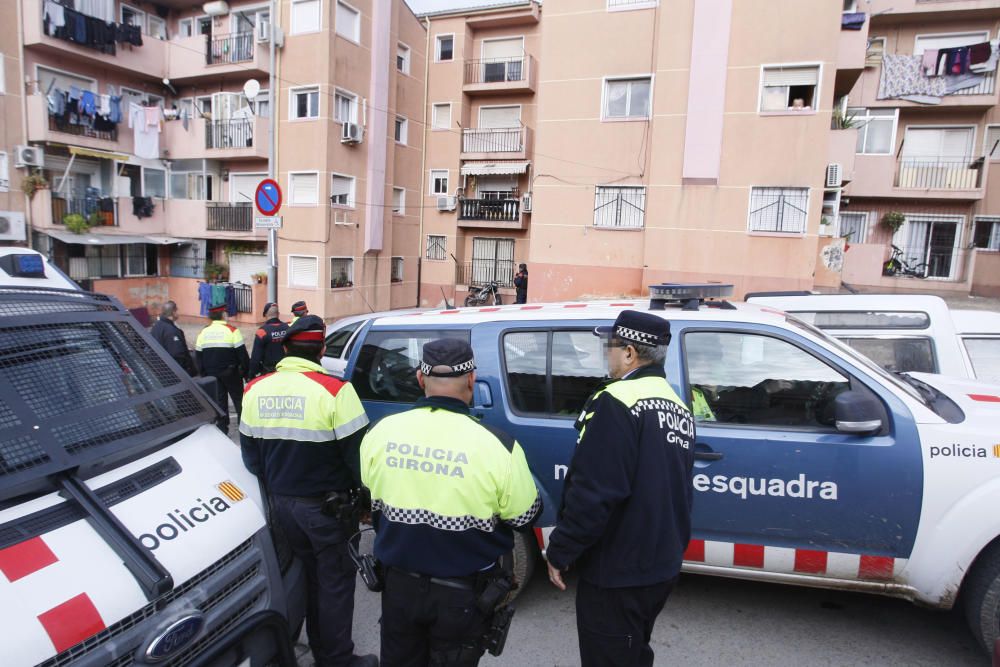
{"points": [[414, 517], [631, 335], [456, 370]]}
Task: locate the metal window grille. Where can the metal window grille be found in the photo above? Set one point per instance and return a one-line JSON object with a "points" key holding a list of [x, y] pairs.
{"points": [[437, 247], [244, 298], [341, 272], [778, 210], [396, 274], [619, 207], [492, 260]]}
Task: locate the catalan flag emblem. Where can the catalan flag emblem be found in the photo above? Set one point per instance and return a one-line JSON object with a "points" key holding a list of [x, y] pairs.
{"points": [[231, 491], [996, 451]]}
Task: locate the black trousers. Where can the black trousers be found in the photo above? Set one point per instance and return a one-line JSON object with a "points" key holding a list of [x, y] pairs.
{"points": [[428, 624], [614, 624], [229, 385], [320, 542]]}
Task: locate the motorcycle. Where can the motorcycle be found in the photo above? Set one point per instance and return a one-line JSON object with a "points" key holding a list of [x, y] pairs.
{"points": [[485, 295]]}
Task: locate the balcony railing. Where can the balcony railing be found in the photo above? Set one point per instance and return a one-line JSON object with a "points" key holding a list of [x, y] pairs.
{"points": [[939, 173], [58, 125], [236, 133], [229, 217], [483, 271], [490, 210], [986, 87], [497, 70], [237, 47], [493, 140], [941, 261], [63, 206]]}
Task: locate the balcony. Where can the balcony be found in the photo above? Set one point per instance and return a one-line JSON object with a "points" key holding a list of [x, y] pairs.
{"points": [[500, 143], [883, 176], [939, 174], [43, 128], [498, 76], [490, 213], [63, 206], [229, 217], [236, 56], [979, 97]]}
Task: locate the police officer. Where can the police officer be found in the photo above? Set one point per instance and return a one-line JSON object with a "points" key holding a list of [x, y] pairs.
{"points": [[300, 434], [267, 343], [171, 337], [299, 309], [625, 519], [521, 284], [222, 354], [447, 493]]}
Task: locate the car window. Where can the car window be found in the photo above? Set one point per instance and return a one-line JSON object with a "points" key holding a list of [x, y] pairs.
{"points": [[387, 363], [552, 372], [336, 341], [746, 378], [984, 353], [872, 319], [907, 355]]}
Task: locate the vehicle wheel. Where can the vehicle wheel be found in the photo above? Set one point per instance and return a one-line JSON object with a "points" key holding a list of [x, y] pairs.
{"points": [[981, 593], [497, 300], [523, 556], [470, 301]]}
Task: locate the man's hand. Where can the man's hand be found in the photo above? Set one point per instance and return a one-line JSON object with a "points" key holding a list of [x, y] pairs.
{"points": [[555, 576]]}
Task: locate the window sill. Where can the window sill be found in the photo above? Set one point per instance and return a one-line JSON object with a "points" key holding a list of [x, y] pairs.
{"points": [[632, 8], [630, 119], [291, 205], [804, 112], [347, 38], [450, 60], [303, 120], [780, 235], [306, 32], [343, 207], [429, 259], [607, 228]]}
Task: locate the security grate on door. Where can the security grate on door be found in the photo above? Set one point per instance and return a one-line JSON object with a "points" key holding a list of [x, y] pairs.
{"points": [[492, 259]]}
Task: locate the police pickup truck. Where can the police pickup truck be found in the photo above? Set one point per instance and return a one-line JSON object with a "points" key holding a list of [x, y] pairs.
{"points": [[814, 466], [130, 531]]}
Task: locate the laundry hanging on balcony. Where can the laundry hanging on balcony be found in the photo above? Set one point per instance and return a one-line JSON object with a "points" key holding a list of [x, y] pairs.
{"points": [[82, 108], [145, 133], [88, 31]]}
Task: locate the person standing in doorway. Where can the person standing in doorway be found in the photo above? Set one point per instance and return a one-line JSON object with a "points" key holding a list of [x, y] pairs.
{"points": [[222, 354], [171, 337], [521, 283]]}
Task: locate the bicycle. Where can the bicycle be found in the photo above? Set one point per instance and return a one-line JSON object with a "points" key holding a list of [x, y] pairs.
{"points": [[897, 265], [481, 296]]}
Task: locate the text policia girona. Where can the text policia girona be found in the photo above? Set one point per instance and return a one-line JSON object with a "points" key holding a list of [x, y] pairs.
{"points": [[433, 460]]}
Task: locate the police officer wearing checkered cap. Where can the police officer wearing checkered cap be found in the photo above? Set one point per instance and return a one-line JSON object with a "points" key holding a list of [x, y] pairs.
{"points": [[625, 518], [447, 493]]}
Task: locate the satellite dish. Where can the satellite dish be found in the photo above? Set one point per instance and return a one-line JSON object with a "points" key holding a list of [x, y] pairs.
{"points": [[251, 89]]}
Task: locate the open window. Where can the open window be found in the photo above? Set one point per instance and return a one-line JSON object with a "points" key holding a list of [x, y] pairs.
{"points": [[789, 88]]}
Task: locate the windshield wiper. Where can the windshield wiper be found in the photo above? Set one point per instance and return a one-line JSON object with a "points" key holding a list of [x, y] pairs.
{"points": [[926, 391]]}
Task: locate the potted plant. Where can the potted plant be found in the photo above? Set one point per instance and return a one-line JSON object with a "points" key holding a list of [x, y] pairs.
{"points": [[76, 223], [215, 271], [32, 183], [260, 277], [95, 219], [893, 220]]}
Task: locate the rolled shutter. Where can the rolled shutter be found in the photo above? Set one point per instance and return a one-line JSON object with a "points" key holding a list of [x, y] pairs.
{"points": [[304, 189], [303, 271], [791, 76], [503, 48]]}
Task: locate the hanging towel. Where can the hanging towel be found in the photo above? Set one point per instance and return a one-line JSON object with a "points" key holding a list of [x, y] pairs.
{"points": [[153, 117], [88, 104], [55, 13], [979, 53], [852, 21], [104, 105], [115, 113], [990, 65], [147, 139], [930, 61], [903, 75]]}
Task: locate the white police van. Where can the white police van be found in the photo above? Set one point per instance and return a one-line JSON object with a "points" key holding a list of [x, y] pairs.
{"points": [[130, 531], [814, 466]]}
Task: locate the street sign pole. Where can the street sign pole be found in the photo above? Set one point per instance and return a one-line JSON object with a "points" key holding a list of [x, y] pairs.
{"points": [[273, 106]]}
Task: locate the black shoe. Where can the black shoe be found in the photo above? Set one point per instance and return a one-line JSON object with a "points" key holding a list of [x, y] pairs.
{"points": [[369, 660]]}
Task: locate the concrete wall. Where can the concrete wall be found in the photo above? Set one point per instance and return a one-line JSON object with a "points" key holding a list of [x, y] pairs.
{"points": [[986, 274], [152, 292]]}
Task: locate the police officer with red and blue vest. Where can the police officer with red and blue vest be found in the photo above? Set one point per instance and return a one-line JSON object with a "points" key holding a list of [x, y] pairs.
{"points": [[625, 519], [268, 347]]}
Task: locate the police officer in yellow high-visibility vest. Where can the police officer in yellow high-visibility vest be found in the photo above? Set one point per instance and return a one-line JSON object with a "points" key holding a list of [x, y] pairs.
{"points": [[447, 494], [300, 435], [221, 353]]}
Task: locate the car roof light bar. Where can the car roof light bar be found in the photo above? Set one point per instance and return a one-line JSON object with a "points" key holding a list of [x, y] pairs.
{"points": [[691, 295]]}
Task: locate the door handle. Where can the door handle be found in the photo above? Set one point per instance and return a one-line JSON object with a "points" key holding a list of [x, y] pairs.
{"points": [[707, 456]]}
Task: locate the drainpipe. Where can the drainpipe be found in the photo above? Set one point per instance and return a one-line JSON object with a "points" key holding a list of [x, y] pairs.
{"points": [[423, 162]]}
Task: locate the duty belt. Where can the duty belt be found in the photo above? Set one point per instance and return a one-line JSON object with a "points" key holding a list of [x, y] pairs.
{"points": [[467, 583]]}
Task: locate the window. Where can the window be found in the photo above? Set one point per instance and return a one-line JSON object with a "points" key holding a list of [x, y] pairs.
{"points": [[906, 355], [854, 227], [492, 260], [342, 190], [752, 380], [779, 210], [441, 116], [439, 181], [403, 58], [396, 271], [345, 107], [577, 363], [185, 28], [387, 364], [398, 201], [157, 27], [986, 232], [4, 173], [348, 22], [303, 189], [789, 88], [203, 105], [303, 271], [930, 144], [619, 206], [304, 102], [444, 48], [984, 353], [875, 319], [134, 17], [947, 41], [402, 129], [437, 247], [154, 183], [187, 185], [874, 52], [991, 148], [135, 259], [876, 129], [341, 272], [336, 343], [627, 98], [503, 60], [305, 16]]}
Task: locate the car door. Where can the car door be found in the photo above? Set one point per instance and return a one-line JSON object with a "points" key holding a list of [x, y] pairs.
{"points": [[777, 487]]}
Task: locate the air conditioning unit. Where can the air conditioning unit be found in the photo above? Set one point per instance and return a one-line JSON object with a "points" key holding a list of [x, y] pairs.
{"points": [[12, 226], [526, 203], [351, 134], [29, 156], [834, 175], [446, 203], [263, 32]]}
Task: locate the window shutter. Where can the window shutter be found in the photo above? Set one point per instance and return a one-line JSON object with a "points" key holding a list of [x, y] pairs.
{"points": [[347, 21], [500, 117], [341, 186], [503, 48], [305, 16], [791, 76], [303, 271], [305, 189]]}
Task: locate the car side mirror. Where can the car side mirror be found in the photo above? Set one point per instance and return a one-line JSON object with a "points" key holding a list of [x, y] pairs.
{"points": [[857, 413]]}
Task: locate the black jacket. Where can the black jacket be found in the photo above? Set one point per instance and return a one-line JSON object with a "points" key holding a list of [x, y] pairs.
{"points": [[521, 285], [626, 508], [171, 338], [267, 347]]}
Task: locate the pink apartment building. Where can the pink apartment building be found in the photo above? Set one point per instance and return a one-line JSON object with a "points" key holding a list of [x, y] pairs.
{"points": [[13, 228]]}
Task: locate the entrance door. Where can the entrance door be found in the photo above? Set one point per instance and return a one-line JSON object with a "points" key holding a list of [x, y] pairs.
{"points": [[934, 241], [492, 259]]}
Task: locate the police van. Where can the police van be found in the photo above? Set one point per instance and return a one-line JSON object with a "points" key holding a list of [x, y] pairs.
{"points": [[130, 531], [814, 465]]}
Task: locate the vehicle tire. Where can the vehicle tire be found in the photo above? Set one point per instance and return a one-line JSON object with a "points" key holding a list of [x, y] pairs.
{"points": [[497, 299], [470, 301], [523, 557], [981, 595]]}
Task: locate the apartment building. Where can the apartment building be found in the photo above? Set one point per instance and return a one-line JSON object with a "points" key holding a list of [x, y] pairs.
{"points": [[151, 150], [13, 229], [927, 140]]}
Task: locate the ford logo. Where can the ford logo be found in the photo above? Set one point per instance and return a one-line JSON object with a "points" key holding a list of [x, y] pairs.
{"points": [[178, 634]]}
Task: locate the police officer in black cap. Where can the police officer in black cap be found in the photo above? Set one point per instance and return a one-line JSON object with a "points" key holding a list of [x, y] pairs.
{"points": [[267, 343], [299, 309], [625, 519]]}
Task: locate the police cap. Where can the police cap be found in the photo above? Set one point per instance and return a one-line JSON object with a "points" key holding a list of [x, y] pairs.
{"points": [[447, 358], [634, 327], [307, 329], [267, 307], [221, 308], [299, 307]]}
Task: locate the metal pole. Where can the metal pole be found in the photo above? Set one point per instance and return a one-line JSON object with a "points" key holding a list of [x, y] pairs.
{"points": [[272, 149]]}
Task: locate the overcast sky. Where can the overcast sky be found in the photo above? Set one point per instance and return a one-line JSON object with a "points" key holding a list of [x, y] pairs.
{"points": [[421, 6]]}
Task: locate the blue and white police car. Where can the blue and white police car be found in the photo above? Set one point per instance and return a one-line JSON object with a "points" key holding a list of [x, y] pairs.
{"points": [[815, 466]]}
